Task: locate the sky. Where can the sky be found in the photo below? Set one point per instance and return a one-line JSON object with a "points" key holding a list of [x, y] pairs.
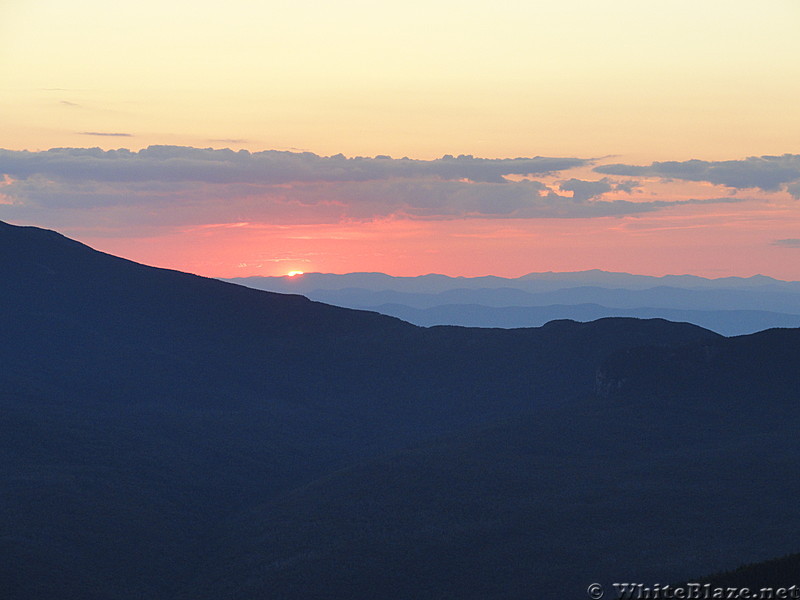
{"points": [[465, 138]]}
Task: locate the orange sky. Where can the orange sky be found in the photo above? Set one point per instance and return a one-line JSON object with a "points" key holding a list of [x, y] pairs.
{"points": [[633, 82]]}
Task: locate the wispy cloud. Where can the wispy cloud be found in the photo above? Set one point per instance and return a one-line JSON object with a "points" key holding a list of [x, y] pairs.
{"points": [[105, 134], [228, 141], [787, 243]]}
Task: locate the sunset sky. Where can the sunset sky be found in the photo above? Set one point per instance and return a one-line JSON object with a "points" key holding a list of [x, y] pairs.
{"points": [[253, 137]]}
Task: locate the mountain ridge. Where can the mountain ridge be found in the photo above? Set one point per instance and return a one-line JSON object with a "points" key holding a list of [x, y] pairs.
{"points": [[730, 306], [585, 277], [171, 436]]}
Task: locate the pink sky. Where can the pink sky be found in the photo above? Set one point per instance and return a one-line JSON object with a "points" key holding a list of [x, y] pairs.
{"points": [[227, 214], [676, 242]]}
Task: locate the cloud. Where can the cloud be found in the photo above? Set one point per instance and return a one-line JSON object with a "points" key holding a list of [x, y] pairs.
{"points": [[178, 163], [228, 141], [178, 186], [794, 190], [627, 186], [768, 173], [585, 190], [787, 243], [105, 134], [181, 203]]}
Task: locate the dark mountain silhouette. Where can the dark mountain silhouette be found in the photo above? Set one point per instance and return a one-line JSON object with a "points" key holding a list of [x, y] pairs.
{"points": [[725, 322], [692, 469], [744, 368], [163, 435], [776, 573]]}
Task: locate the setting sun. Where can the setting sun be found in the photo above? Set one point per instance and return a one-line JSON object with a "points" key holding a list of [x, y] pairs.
{"points": [[294, 273]]}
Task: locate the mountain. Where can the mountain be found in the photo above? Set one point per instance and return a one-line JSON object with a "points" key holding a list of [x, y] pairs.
{"points": [[748, 368], [685, 461], [163, 435], [658, 297], [729, 306], [139, 402], [532, 282], [724, 322], [775, 573]]}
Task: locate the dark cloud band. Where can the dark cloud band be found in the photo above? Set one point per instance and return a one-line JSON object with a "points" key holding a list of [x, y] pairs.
{"points": [[177, 163], [188, 186], [769, 173]]}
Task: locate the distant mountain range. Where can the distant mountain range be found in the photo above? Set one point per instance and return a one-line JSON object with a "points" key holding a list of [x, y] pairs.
{"points": [[163, 435], [532, 282], [729, 305]]}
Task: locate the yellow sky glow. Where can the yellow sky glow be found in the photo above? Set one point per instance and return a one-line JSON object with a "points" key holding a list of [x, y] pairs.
{"points": [[681, 79]]}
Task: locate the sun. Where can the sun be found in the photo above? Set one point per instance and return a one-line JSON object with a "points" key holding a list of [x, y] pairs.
{"points": [[294, 273]]}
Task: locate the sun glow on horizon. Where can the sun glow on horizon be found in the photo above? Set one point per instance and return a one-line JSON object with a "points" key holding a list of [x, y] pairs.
{"points": [[654, 143]]}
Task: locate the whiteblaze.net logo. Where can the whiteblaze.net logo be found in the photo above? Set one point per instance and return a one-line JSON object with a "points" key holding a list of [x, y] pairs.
{"points": [[692, 591]]}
